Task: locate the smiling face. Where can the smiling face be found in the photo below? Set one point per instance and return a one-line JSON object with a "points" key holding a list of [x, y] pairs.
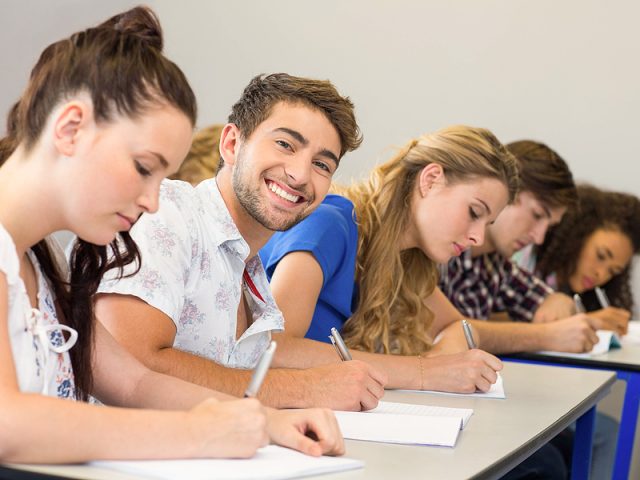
{"points": [[445, 220], [283, 171], [117, 169], [524, 223], [605, 253]]}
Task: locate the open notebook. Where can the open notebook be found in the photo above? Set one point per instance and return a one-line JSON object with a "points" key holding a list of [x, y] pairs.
{"points": [[606, 341], [271, 462], [406, 424], [496, 391]]}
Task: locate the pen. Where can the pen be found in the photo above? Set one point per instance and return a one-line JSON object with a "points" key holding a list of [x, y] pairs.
{"points": [[602, 298], [339, 345], [471, 343], [260, 371], [578, 302]]}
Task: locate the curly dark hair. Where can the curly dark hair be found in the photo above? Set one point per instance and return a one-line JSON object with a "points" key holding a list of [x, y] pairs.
{"points": [[598, 209]]}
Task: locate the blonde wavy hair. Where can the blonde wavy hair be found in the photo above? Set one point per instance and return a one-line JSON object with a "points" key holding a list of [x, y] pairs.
{"points": [[391, 316]]}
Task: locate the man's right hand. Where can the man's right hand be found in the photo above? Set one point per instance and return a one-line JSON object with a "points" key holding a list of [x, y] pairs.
{"points": [[576, 334], [352, 385]]}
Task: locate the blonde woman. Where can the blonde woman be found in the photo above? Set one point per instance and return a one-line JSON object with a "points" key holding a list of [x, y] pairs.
{"points": [[366, 262]]}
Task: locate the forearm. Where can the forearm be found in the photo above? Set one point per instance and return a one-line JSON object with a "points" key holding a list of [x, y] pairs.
{"points": [[282, 388], [510, 337], [49, 430], [402, 371]]}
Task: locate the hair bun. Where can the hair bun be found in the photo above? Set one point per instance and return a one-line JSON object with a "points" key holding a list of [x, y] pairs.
{"points": [[140, 22]]}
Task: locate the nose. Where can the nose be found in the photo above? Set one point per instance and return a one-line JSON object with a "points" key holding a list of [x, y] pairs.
{"points": [[298, 171], [476, 234], [602, 275], [539, 231], [149, 198]]}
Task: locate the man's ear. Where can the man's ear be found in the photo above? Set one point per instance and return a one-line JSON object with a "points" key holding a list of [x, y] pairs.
{"points": [[68, 125], [429, 175], [229, 143]]}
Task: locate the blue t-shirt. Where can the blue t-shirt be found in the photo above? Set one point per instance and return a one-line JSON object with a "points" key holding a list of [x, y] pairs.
{"points": [[331, 235]]}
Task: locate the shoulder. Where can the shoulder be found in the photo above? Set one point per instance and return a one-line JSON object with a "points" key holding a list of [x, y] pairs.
{"points": [[9, 262]]}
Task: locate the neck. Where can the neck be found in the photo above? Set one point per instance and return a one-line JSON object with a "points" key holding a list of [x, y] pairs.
{"points": [[255, 234], [29, 202]]}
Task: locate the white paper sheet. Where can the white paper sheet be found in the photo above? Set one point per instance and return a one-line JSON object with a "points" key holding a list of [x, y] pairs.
{"points": [[405, 423], [271, 462]]}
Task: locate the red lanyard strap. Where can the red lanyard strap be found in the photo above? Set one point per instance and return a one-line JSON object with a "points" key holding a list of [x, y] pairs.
{"points": [[251, 285]]}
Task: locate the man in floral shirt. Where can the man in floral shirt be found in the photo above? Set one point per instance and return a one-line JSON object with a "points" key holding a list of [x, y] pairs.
{"points": [[200, 307]]}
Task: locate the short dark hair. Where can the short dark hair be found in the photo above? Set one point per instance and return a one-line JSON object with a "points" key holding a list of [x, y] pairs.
{"points": [[544, 173], [265, 91]]}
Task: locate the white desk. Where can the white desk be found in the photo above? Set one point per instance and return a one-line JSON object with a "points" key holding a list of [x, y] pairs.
{"points": [[541, 401]]}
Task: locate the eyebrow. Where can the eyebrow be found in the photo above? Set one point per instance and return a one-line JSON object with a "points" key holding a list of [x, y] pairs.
{"points": [[485, 205], [304, 141]]}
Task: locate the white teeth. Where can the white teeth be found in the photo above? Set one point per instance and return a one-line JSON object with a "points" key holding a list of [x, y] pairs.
{"points": [[281, 193]]}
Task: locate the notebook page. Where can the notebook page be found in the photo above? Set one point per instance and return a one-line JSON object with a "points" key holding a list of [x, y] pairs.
{"points": [[464, 414], [399, 428], [271, 462]]}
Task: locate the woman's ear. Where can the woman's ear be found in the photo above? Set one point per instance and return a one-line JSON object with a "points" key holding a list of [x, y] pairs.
{"points": [[229, 142], [69, 123], [429, 176]]}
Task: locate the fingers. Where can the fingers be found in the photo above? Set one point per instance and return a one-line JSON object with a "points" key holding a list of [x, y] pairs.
{"points": [[323, 427], [311, 431]]}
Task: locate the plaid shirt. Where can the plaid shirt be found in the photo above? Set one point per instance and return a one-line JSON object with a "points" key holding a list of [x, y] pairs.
{"points": [[491, 283]]}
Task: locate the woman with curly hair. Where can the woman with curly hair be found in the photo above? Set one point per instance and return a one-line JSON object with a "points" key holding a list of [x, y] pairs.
{"points": [[593, 247], [369, 259]]}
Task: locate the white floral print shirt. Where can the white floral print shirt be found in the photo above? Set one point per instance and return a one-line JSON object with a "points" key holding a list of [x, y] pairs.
{"points": [[193, 259]]}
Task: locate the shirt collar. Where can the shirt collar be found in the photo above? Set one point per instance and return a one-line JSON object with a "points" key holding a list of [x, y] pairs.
{"points": [[226, 233]]}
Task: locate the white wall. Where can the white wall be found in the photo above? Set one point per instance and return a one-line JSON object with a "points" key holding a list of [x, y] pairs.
{"points": [[566, 73]]}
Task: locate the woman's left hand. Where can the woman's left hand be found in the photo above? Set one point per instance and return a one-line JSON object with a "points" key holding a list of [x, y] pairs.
{"points": [[613, 318], [313, 431]]}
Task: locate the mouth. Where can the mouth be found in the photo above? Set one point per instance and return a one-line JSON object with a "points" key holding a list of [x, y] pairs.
{"points": [[458, 249], [520, 245], [127, 222], [285, 193], [588, 283]]}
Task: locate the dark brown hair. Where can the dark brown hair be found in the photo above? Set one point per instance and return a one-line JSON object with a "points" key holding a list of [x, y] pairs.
{"points": [[545, 174], [121, 65], [598, 209], [264, 92]]}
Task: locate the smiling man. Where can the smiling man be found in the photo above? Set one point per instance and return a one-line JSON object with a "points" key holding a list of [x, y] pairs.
{"points": [[200, 307]]}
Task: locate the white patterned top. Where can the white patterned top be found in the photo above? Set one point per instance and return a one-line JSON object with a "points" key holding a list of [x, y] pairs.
{"points": [[40, 352], [193, 259]]}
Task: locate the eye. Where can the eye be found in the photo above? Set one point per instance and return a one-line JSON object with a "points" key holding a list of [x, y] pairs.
{"points": [[141, 169], [473, 214], [600, 256], [537, 216], [284, 144], [322, 166]]}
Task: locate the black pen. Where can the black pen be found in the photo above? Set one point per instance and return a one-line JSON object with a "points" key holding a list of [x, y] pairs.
{"points": [[339, 345], [260, 371]]}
